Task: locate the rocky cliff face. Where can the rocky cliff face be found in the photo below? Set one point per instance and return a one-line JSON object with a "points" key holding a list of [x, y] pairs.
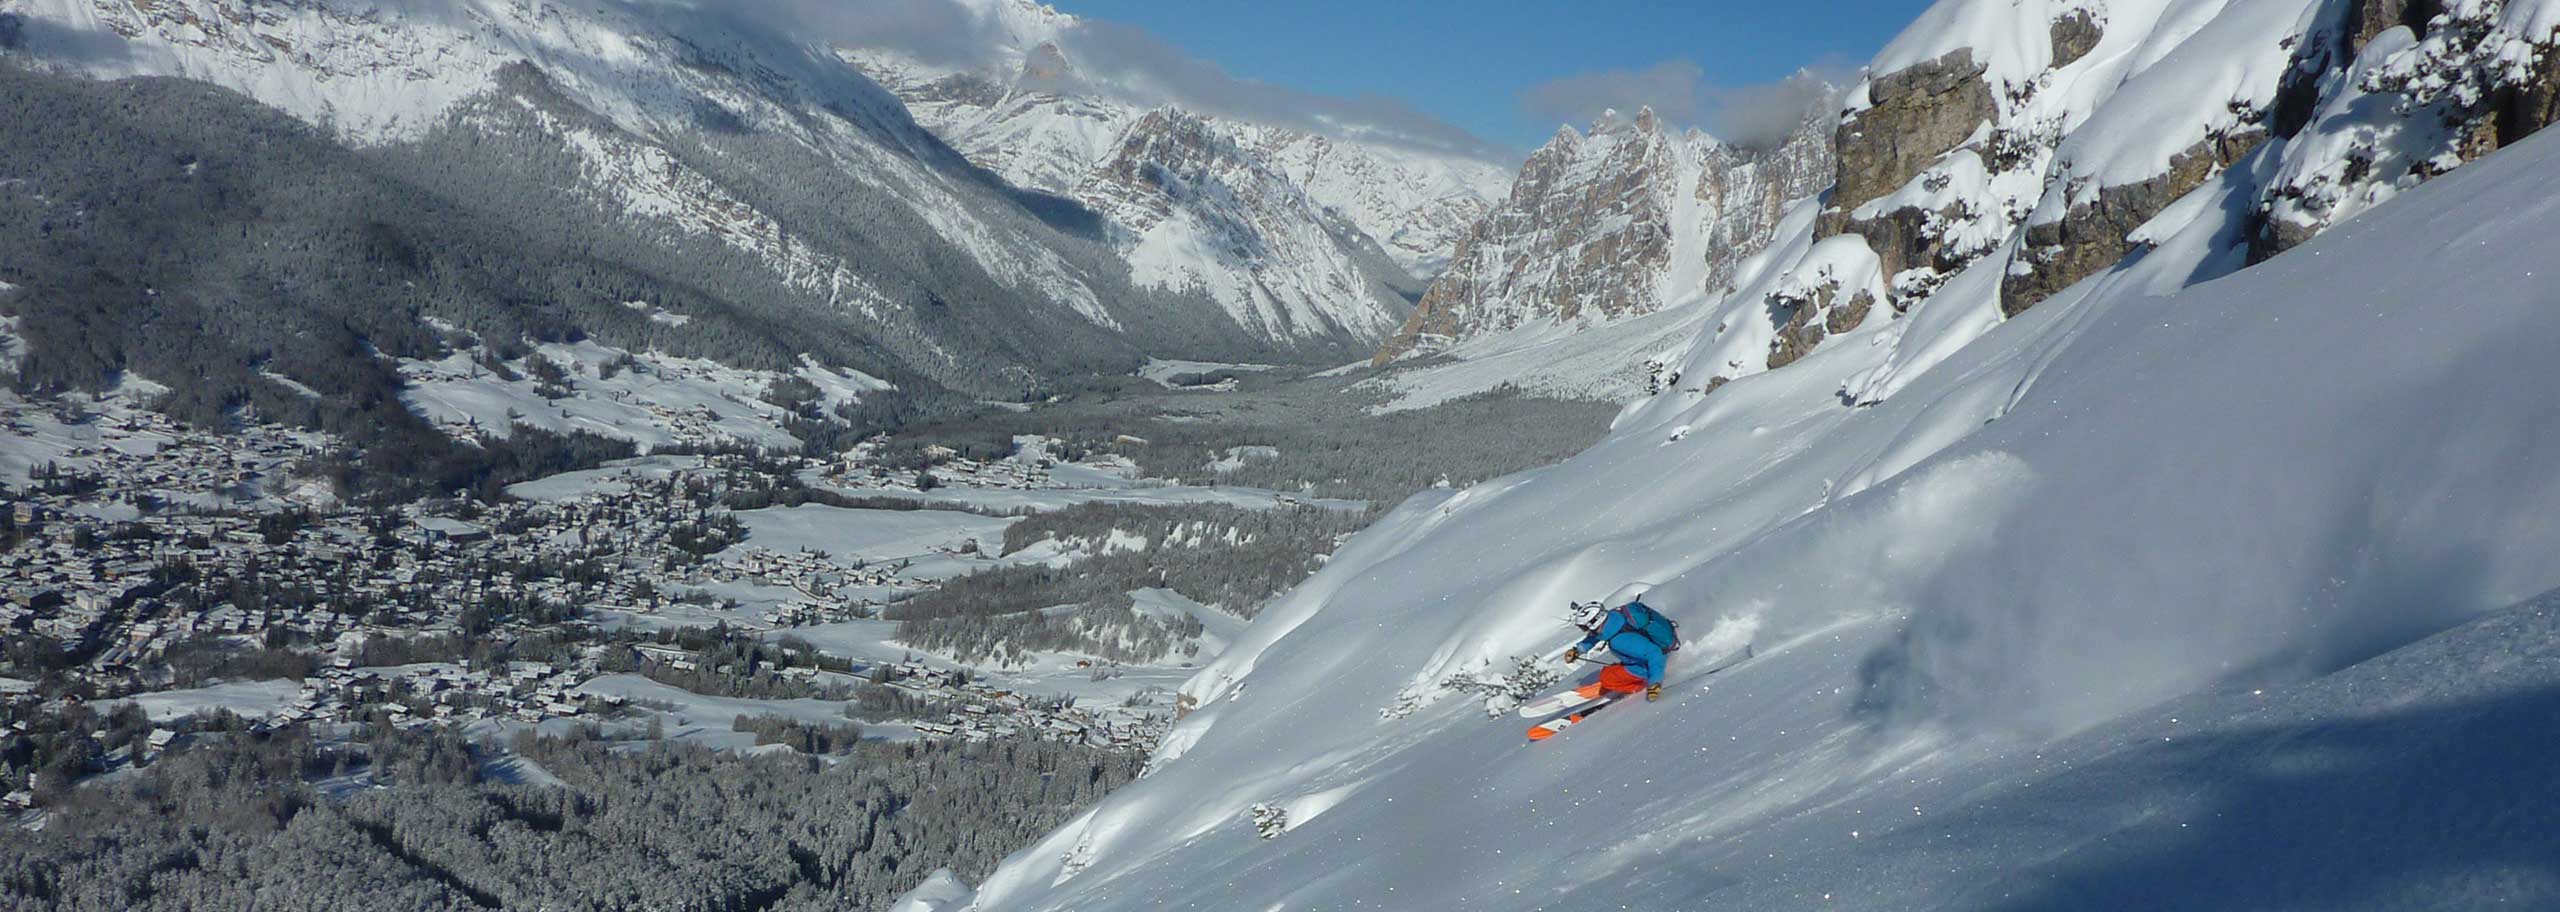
{"points": [[1625, 220], [1193, 209]]}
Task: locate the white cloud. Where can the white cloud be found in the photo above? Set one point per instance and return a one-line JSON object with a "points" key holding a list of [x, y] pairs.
{"points": [[1679, 93], [1123, 61]]}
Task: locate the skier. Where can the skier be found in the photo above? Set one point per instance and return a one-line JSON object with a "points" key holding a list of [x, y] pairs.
{"points": [[1642, 639]]}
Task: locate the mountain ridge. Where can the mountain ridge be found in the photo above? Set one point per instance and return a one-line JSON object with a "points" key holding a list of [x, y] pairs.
{"points": [[1286, 227], [699, 130]]}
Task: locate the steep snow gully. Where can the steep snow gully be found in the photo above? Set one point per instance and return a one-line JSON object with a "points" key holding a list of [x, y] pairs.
{"points": [[2165, 594]]}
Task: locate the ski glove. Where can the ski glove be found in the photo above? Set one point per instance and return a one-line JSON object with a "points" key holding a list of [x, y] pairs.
{"points": [[1572, 654], [1652, 692]]}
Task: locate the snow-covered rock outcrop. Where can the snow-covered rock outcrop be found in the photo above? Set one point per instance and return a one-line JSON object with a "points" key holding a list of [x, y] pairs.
{"points": [[2044, 137]]}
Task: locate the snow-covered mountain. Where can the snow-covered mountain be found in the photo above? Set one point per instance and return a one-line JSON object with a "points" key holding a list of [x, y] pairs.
{"points": [[1294, 231], [1995, 155], [2149, 546], [1628, 219], [699, 126]]}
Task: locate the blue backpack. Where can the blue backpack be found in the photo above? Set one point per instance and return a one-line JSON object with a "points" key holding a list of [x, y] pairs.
{"points": [[1641, 618]]}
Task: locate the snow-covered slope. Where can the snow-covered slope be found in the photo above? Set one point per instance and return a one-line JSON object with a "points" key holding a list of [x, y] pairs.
{"points": [[1295, 232], [1626, 220], [1997, 153], [2122, 603]]}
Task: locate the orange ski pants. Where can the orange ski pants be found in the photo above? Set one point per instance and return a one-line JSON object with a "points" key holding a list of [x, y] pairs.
{"points": [[1613, 679]]}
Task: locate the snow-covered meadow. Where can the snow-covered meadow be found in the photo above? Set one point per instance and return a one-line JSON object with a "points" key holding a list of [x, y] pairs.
{"points": [[710, 721]]}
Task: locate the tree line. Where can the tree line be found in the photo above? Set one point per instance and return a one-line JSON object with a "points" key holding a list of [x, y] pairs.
{"points": [[235, 822]]}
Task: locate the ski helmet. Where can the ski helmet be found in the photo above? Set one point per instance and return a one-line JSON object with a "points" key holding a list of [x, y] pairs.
{"points": [[1586, 615]]}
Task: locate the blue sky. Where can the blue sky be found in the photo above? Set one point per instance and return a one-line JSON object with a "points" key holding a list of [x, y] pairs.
{"points": [[1509, 72]]}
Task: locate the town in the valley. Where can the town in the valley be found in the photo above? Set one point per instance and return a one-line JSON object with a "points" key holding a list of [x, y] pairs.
{"points": [[192, 581]]}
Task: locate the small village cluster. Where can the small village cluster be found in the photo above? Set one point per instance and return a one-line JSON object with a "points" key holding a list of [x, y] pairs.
{"points": [[1028, 468], [983, 712], [829, 590]]}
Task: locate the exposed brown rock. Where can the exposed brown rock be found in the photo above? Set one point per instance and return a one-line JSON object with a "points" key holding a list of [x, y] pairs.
{"points": [[2091, 238], [1595, 211], [2535, 105], [1901, 239], [1810, 320], [2074, 35], [1749, 189], [1044, 65], [1915, 115], [1157, 154], [2368, 18], [1847, 316], [960, 88]]}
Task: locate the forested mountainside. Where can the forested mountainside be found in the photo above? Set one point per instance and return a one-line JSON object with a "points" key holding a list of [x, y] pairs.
{"points": [[429, 821]]}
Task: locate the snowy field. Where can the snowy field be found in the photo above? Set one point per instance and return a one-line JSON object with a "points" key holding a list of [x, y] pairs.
{"points": [[652, 399], [1218, 628], [1049, 674], [1237, 457], [250, 699], [1162, 371], [2160, 595], [1076, 483], [41, 437], [1540, 359], [707, 721], [932, 540], [752, 601], [874, 642], [612, 478]]}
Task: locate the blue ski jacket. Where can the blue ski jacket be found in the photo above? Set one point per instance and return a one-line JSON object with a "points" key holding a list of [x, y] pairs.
{"points": [[1634, 650]]}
